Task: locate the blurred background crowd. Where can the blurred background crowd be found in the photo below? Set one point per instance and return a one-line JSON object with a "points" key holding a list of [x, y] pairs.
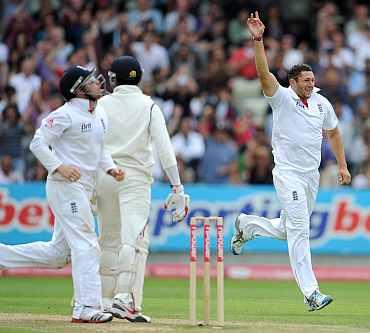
{"points": [[198, 62]]}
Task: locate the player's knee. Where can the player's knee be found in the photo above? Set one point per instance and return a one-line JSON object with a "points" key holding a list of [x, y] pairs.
{"points": [[86, 252], [297, 232], [59, 258]]}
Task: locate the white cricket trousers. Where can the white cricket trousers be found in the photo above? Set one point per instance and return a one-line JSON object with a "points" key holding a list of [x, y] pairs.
{"points": [[74, 237], [297, 194], [123, 209]]}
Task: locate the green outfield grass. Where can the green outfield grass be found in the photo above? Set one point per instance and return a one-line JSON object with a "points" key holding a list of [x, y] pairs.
{"points": [[42, 305]]}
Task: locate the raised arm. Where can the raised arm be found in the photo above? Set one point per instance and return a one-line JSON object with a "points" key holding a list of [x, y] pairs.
{"points": [[268, 81]]}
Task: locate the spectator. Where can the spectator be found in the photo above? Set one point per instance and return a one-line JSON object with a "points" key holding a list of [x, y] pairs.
{"points": [[279, 70], [337, 55], [38, 173], [291, 55], [260, 172], [4, 52], [25, 83], [20, 24], [188, 145], [181, 13], [144, 13], [362, 180], [9, 96], [181, 87], [237, 30], [360, 148], [61, 48], [356, 28], [11, 132], [217, 71], [152, 56], [345, 117], [218, 158], [242, 61], [244, 129], [7, 173], [332, 85]]}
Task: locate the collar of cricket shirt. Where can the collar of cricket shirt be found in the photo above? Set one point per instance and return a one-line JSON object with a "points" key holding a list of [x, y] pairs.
{"points": [[127, 89], [80, 103], [295, 96]]}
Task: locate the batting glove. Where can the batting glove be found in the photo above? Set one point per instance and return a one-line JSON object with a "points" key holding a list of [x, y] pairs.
{"points": [[178, 203]]}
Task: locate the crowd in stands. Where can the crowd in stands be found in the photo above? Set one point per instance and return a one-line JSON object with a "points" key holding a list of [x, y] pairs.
{"points": [[198, 61]]}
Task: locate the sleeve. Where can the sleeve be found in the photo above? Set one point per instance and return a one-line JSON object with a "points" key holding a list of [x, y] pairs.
{"points": [[161, 139], [51, 129], [277, 100], [173, 175], [330, 120], [106, 161]]}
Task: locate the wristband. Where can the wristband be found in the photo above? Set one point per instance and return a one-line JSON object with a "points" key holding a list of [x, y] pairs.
{"points": [[257, 39]]}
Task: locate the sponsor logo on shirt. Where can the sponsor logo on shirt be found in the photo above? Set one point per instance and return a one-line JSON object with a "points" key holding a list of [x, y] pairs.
{"points": [[74, 209], [300, 105], [49, 122], [295, 195], [321, 110], [102, 123], [86, 127]]}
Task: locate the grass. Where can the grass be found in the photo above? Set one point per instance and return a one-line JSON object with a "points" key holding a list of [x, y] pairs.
{"points": [[42, 305]]}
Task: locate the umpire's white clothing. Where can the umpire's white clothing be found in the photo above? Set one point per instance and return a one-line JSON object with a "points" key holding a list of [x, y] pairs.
{"points": [[70, 135], [296, 142], [135, 123]]}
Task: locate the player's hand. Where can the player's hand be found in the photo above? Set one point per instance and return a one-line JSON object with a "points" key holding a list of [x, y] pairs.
{"points": [[117, 173], [69, 172], [255, 26], [344, 177], [178, 203]]}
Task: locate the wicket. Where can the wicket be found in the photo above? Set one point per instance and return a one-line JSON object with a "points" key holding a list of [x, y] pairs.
{"points": [[207, 269]]}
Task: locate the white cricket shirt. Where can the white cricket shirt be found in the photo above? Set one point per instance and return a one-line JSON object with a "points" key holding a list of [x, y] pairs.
{"points": [[297, 129], [75, 136], [135, 122]]}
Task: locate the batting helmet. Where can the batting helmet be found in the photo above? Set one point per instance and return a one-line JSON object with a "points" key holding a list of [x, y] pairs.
{"points": [[125, 70], [73, 80]]}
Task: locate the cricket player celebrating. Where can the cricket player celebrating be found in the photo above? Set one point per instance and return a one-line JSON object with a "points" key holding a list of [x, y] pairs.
{"points": [[70, 144], [300, 115], [123, 208]]}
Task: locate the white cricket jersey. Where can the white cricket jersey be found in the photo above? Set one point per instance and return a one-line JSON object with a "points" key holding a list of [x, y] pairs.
{"points": [[297, 129], [74, 136], [135, 123]]}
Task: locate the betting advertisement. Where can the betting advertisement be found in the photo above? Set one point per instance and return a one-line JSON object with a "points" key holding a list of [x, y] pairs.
{"points": [[340, 222]]}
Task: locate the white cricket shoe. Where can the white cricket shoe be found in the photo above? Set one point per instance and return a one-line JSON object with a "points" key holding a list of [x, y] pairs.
{"points": [[317, 301], [122, 310], [92, 316], [239, 239]]}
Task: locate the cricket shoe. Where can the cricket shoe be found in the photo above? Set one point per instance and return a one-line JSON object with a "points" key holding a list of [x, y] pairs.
{"points": [[238, 240], [317, 301], [92, 316], [122, 311]]}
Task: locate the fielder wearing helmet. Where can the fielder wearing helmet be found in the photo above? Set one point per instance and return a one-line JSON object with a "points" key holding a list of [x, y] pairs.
{"points": [[137, 126], [78, 81], [125, 70], [70, 145]]}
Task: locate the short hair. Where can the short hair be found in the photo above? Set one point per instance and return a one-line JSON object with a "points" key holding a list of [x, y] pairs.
{"points": [[294, 72]]}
